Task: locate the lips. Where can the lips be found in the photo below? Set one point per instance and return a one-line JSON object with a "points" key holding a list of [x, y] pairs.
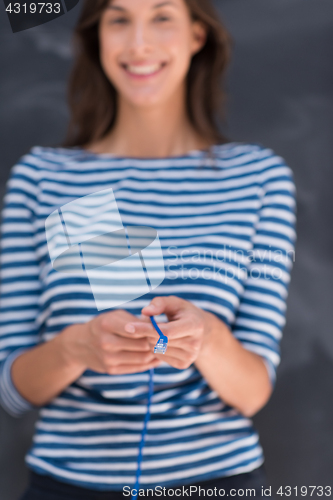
{"points": [[143, 69]]}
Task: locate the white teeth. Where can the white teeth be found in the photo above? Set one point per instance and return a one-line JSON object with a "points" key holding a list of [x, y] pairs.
{"points": [[144, 70]]}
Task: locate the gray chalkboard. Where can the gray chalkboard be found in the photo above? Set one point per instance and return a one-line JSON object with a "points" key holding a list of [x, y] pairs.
{"points": [[281, 95]]}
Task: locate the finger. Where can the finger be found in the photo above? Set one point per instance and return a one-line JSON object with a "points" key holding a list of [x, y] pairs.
{"points": [[165, 305], [113, 342], [145, 319], [181, 363], [173, 330], [115, 321], [142, 329], [131, 358], [126, 369], [174, 352], [185, 344]]}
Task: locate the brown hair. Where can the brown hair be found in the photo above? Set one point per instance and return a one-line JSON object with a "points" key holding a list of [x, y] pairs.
{"points": [[92, 98]]}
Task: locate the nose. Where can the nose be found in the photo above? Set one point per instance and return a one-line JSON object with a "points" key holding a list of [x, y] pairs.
{"points": [[139, 40]]}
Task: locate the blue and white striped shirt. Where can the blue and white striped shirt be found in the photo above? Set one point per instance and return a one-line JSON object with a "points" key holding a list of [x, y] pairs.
{"points": [[227, 230]]}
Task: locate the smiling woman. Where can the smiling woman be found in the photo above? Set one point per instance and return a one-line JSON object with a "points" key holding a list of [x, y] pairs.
{"points": [[144, 96], [175, 52]]}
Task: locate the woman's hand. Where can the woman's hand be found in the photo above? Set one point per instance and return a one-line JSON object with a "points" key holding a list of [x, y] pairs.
{"points": [[187, 330], [103, 345], [237, 375]]}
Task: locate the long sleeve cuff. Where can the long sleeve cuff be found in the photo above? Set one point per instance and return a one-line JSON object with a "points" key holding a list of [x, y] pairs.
{"points": [[271, 371], [10, 399]]}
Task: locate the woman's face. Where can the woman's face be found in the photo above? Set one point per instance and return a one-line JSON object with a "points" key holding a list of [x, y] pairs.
{"points": [[146, 48]]}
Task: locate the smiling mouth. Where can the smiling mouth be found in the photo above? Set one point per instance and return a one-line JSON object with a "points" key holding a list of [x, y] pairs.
{"points": [[143, 69]]}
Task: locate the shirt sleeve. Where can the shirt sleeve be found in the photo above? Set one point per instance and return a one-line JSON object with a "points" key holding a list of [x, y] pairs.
{"points": [[20, 286], [261, 315]]}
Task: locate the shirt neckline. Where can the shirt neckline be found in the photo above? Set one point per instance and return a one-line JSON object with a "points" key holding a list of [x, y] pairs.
{"points": [[195, 153]]}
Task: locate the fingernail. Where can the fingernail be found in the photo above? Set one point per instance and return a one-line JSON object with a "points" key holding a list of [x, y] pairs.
{"points": [[150, 308], [130, 328]]}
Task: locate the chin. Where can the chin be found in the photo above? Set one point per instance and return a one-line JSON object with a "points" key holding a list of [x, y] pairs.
{"points": [[145, 101]]}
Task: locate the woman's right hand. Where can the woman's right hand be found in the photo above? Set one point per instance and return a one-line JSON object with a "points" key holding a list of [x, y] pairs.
{"points": [[103, 345]]}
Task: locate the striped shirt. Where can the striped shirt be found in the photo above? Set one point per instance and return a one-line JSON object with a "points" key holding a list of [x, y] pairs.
{"points": [[227, 230]]}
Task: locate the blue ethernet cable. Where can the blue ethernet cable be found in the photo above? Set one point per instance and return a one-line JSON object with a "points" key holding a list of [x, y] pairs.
{"points": [[162, 343], [160, 347], [143, 434]]}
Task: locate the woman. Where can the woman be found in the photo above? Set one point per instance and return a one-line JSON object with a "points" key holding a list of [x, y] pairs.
{"points": [[143, 97]]}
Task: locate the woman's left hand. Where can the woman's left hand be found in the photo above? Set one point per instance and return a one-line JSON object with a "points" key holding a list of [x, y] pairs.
{"points": [[188, 328]]}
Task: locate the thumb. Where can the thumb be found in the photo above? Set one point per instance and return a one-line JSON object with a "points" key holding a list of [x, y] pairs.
{"points": [[167, 305]]}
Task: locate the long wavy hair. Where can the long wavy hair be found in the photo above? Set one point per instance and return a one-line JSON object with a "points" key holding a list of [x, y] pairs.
{"points": [[92, 98]]}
